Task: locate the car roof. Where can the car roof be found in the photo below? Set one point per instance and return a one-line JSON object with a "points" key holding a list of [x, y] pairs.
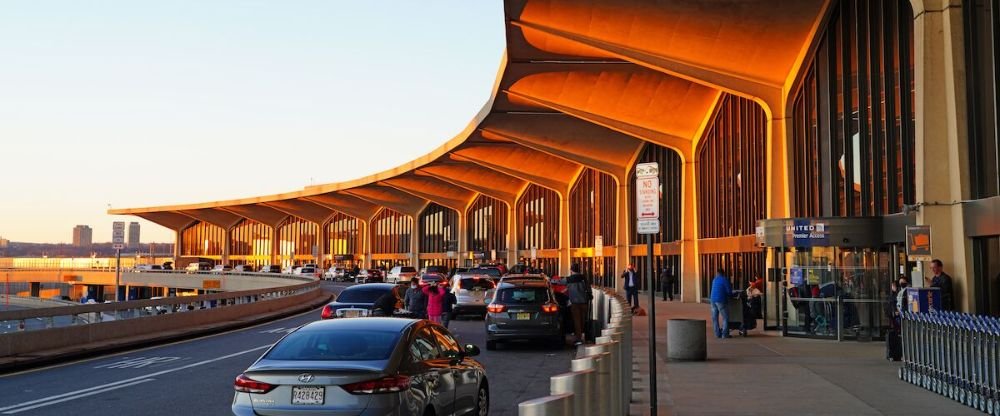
{"points": [[525, 276], [386, 286], [512, 283], [375, 324]]}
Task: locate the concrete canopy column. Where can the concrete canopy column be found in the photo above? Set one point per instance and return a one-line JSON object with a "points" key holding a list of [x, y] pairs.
{"points": [[463, 233], [623, 228], [415, 241], [564, 259], [689, 273], [941, 142], [512, 233]]}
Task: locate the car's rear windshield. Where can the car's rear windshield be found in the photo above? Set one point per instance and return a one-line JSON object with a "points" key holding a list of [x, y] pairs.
{"points": [[522, 296], [361, 295], [437, 269], [346, 345], [308, 270], [487, 271], [407, 270], [473, 283]]}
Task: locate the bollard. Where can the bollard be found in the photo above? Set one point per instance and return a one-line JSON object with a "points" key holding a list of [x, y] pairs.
{"points": [[624, 366], [580, 384], [602, 365], [614, 348], [686, 340], [592, 399], [554, 405]]}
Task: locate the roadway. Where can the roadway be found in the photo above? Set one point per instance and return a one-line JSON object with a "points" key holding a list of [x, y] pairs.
{"points": [[196, 376]]}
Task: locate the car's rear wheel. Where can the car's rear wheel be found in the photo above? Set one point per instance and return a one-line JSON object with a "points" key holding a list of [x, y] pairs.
{"points": [[483, 400], [491, 345]]}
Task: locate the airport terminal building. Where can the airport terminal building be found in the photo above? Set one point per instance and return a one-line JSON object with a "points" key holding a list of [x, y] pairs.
{"points": [[795, 139]]}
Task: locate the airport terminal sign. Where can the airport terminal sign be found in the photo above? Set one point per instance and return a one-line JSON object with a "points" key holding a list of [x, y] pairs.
{"points": [[807, 233]]}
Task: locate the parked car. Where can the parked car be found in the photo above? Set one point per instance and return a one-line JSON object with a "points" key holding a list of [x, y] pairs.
{"points": [[525, 276], [524, 310], [243, 268], [198, 267], [148, 267], [222, 268], [401, 274], [493, 272], [356, 301], [307, 271], [457, 270], [473, 293], [157, 310], [336, 273], [369, 276], [432, 278], [365, 366], [435, 269], [270, 268]]}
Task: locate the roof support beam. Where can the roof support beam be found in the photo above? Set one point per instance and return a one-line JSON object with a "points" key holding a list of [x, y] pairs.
{"points": [[260, 213], [433, 189], [346, 203], [306, 210], [389, 197], [214, 216]]}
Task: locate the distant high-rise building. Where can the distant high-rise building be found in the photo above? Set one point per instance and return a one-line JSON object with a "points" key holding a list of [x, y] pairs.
{"points": [[133, 235], [83, 236], [4, 244]]}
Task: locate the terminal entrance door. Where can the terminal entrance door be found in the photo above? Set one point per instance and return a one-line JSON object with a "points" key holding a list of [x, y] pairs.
{"points": [[830, 292]]}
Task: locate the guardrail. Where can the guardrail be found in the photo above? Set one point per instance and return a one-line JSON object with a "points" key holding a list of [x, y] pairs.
{"points": [[600, 378], [955, 355]]}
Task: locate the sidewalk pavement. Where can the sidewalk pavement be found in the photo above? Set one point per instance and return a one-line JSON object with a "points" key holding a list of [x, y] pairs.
{"points": [[768, 374]]}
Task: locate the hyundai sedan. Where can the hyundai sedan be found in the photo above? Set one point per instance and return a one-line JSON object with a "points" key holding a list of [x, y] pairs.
{"points": [[377, 366]]}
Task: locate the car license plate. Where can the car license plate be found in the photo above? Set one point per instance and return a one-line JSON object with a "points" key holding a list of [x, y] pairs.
{"points": [[307, 395], [352, 313], [523, 316]]}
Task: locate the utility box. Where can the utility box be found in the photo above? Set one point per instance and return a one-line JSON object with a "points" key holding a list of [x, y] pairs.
{"points": [[924, 299]]}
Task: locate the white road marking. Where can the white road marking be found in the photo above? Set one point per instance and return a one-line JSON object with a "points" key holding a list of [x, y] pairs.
{"points": [[138, 362], [121, 383], [65, 399]]}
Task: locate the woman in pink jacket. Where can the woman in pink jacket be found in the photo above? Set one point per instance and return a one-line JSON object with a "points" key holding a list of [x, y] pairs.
{"points": [[435, 301]]}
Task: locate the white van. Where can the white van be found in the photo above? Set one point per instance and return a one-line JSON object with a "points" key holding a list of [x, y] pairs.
{"points": [[401, 274]]}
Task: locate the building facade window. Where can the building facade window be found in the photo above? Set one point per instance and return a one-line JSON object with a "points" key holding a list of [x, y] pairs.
{"points": [[390, 232], [250, 243], [592, 209], [538, 218], [298, 241], [670, 194], [982, 39], [852, 151], [344, 239], [486, 226], [203, 240], [438, 229]]}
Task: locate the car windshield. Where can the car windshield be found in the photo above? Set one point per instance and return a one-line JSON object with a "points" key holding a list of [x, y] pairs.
{"points": [[487, 271], [308, 270], [522, 296], [407, 270], [361, 295], [437, 269], [347, 345], [472, 284]]}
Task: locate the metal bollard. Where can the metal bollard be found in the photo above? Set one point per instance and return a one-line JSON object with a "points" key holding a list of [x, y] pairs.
{"points": [[601, 363], [624, 365], [554, 405], [614, 348], [592, 398], [580, 384]]}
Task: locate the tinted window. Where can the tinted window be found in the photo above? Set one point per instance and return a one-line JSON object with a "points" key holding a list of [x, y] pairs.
{"points": [[354, 345], [423, 347], [407, 270], [447, 344], [472, 284], [487, 271], [361, 295], [523, 296], [437, 269], [308, 270]]}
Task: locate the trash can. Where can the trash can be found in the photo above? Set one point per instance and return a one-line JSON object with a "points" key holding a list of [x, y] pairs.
{"points": [[686, 340], [924, 299]]}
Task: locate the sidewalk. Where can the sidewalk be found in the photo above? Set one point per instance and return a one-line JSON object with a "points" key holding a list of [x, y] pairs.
{"points": [[766, 373]]}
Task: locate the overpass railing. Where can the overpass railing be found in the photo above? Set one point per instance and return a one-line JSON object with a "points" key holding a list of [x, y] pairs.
{"points": [[600, 380], [82, 314]]}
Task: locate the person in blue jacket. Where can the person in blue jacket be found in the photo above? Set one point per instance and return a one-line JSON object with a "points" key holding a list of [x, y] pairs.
{"points": [[722, 290]]}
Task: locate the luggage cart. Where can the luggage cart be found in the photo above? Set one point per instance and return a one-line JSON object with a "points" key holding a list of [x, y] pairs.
{"points": [[741, 317]]}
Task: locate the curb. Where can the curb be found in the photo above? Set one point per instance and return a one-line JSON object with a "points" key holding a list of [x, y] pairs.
{"points": [[19, 363]]}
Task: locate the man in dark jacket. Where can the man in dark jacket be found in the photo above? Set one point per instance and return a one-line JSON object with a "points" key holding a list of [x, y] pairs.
{"points": [[667, 281], [448, 306], [580, 295], [631, 280], [942, 281]]}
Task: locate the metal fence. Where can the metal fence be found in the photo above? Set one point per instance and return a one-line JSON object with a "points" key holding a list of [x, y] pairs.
{"points": [[600, 378], [955, 355]]}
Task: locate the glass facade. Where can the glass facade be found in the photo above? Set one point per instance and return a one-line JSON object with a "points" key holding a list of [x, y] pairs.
{"points": [[982, 39], [203, 240], [438, 229], [670, 193], [538, 218], [853, 119], [344, 239], [250, 243], [298, 241], [390, 232], [673, 262], [592, 209], [487, 226]]}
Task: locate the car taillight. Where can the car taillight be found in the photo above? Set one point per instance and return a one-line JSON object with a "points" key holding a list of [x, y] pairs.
{"points": [[327, 312], [550, 308], [496, 308], [390, 384], [246, 384]]}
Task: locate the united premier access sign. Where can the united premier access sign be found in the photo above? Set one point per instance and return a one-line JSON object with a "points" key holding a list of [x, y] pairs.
{"points": [[647, 198]]}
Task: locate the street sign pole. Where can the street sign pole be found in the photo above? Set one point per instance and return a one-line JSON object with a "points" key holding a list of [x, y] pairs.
{"points": [[118, 272], [118, 241], [647, 185]]}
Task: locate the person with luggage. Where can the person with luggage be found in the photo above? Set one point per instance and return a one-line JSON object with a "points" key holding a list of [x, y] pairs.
{"points": [[631, 279], [667, 281], [580, 296], [722, 290], [893, 342]]}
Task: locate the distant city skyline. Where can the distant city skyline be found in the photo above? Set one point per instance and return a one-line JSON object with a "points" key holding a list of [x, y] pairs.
{"points": [[142, 103]]}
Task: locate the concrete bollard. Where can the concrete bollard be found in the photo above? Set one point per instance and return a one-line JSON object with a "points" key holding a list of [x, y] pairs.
{"points": [[554, 405], [593, 397], [686, 340], [601, 363], [614, 348], [580, 384], [625, 366]]}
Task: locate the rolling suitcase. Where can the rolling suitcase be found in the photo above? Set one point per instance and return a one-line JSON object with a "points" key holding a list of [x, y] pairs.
{"points": [[893, 345]]}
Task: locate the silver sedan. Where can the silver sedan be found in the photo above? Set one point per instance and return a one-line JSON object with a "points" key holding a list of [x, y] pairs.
{"points": [[371, 366]]}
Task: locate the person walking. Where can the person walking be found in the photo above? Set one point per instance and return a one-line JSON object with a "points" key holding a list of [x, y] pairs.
{"points": [[722, 290], [631, 279], [580, 296], [942, 280], [667, 281], [435, 301], [447, 305], [416, 300]]}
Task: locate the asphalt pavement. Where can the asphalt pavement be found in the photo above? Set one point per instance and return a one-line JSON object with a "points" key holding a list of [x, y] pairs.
{"points": [[195, 377]]}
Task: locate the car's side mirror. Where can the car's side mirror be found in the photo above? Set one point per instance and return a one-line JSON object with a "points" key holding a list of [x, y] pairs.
{"points": [[471, 350]]}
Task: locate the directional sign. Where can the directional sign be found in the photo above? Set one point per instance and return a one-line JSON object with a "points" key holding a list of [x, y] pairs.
{"points": [[918, 243], [598, 246], [647, 226], [647, 191], [118, 233]]}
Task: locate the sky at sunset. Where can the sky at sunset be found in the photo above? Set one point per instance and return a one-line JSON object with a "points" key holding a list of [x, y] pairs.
{"points": [[143, 103]]}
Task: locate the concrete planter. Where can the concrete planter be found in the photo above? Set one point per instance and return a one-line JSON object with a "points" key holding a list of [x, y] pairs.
{"points": [[686, 340]]}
